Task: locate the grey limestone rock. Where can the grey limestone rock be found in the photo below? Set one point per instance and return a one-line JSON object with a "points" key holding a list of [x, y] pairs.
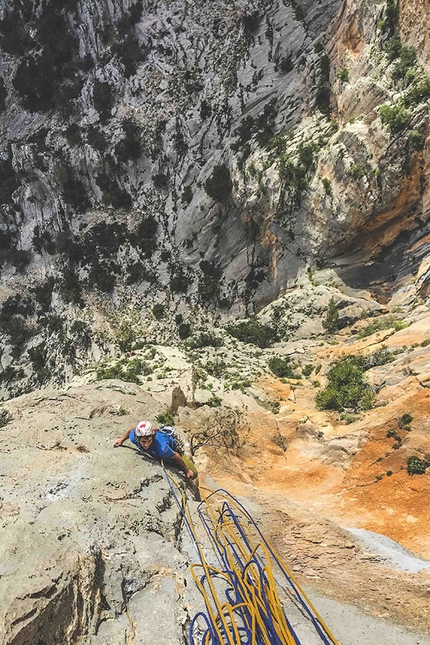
{"points": [[90, 535]]}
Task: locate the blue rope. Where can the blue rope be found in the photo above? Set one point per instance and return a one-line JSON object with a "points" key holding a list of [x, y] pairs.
{"points": [[327, 640], [237, 587]]}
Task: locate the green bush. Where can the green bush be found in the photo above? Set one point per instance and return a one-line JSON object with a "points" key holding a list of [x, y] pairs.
{"points": [[286, 64], [138, 272], [129, 148], [103, 97], [219, 184], [254, 332], [13, 322], [81, 332], [282, 367], [5, 417], [179, 280], [392, 434], [396, 117], [160, 180], [138, 366], [405, 420], [243, 133], [347, 418], [418, 92], [416, 466], [295, 174], [407, 59], [116, 197], [327, 186], [389, 24], [159, 311], [54, 324], [126, 336], [130, 52], [214, 402], [331, 321], [42, 241], [379, 324], [73, 134], [103, 240], [208, 288], [187, 195], [70, 288], [342, 74], [274, 406], [307, 370], [165, 418], [20, 258], [262, 127], [102, 274], [346, 388], [381, 356], [38, 358], [417, 139], [14, 39], [241, 385], [117, 371], [322, 99], [49, 73], [216, 368], [11, 374], [145, 235], [392, 48], [205, 339], [75, 194], [14, 306], [251, 21], [184, 330], [356, 172], [9, 181], [96, 138]]}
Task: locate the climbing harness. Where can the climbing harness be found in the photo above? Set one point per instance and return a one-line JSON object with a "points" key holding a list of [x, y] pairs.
{"points": [[247, 587]]}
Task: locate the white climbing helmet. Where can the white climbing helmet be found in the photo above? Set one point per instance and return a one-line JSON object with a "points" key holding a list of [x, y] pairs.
{"points": [[144, 429]]}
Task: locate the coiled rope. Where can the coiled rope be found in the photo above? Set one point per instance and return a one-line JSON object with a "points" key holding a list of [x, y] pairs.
{"points": [[246, 592]]}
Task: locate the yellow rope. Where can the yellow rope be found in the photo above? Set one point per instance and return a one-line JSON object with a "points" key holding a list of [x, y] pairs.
{"points": [[256, 588]]}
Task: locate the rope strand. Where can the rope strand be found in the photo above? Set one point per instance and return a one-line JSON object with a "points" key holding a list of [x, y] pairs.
{"points": [[252, 611]]}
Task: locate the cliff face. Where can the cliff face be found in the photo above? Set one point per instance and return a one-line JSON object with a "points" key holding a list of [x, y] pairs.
{"points": [[160, 97], [92, 549], [201, 156]]}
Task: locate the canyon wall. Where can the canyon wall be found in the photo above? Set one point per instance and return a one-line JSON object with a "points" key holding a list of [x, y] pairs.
{"points": [[199, 157]]}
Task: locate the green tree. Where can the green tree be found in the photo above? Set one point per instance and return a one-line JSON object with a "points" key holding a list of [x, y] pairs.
{"points": [[331, 321], [356, 171], [219, 184], [254, 332], [282, 367], [416, 466], [346, 387], [396, 117]]}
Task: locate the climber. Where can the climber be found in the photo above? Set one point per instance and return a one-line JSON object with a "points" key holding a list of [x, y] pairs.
{"points": [[158, 445]]}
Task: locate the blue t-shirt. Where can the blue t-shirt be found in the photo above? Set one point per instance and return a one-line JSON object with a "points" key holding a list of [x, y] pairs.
{"points": [[163, 446]]}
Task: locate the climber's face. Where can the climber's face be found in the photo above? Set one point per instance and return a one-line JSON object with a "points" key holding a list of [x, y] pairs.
{"points": [[145, 442]]}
